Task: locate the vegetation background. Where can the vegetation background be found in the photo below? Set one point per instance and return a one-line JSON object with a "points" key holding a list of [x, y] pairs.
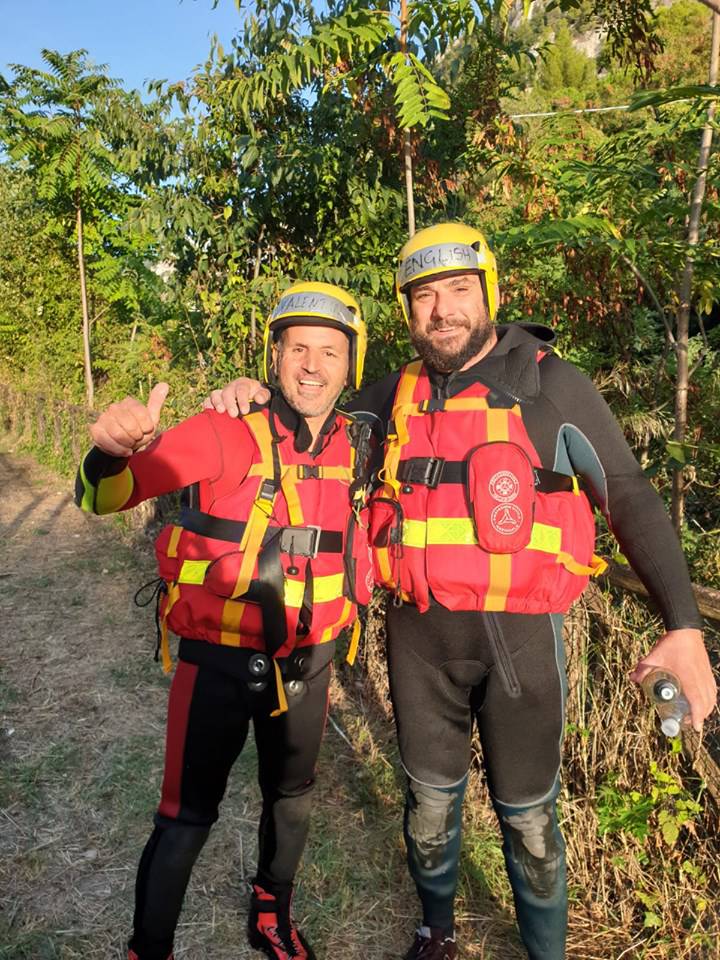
{"points": [[143, 237]]}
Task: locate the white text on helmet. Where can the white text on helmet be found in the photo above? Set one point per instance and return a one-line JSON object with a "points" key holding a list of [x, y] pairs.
{"points": [[312, 304], [442, 255]]}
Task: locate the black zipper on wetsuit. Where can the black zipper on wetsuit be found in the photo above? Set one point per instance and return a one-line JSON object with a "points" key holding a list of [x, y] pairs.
{"points": [[443, 393], [503, 660]]}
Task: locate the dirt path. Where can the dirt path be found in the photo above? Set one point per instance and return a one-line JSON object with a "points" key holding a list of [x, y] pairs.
{"points": [[81, 737]]}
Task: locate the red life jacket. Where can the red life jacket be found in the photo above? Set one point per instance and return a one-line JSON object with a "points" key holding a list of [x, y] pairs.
{"points": [[292, 534], [467, 512]]}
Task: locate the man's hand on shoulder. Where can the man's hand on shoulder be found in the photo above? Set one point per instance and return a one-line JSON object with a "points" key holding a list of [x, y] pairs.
{"points": [[683, 653], [128, 426], [235, 398]]}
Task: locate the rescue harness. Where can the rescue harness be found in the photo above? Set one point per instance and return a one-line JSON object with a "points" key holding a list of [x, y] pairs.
{"points": [[466, 513], [303, 579]]}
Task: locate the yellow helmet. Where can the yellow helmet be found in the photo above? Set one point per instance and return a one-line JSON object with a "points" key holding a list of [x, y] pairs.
{"points": [[323, 305], [446, 248]]}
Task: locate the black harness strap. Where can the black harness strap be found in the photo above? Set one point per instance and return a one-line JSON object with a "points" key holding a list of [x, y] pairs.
{"points": [[300, 541], [430, 471]]}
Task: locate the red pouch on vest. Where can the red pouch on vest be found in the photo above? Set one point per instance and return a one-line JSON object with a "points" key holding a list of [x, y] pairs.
{"points": [[501, 493], [386, 518], [222, 573]]}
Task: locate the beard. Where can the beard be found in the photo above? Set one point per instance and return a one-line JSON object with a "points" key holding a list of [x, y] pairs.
{"points": [[448, 359]]}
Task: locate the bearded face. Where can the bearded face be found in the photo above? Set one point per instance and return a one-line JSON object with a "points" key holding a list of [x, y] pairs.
{"points": [[449, 324]]}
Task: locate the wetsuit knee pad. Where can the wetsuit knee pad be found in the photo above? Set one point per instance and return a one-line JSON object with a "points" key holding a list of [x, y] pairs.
{"points": [[433, 818], [534, 843], [293, 810]]}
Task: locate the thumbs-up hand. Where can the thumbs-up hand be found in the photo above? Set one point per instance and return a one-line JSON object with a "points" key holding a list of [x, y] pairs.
{"points": [[129, 425]]}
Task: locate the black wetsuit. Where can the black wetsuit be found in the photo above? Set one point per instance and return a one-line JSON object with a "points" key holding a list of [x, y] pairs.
{"points": [[443, 676]]}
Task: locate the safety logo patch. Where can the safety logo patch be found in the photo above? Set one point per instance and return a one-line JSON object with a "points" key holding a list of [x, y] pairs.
{"points": [[504, 486], [506, 518]]}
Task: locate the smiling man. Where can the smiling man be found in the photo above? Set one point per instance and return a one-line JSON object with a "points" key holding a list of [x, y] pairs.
{"points": [[482, 530], [261, 573], [450, 326]]}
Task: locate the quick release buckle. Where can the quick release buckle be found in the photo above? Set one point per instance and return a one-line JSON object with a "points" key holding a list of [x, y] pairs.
{"points": [[300, 541], [424, 470], [308, 471]]}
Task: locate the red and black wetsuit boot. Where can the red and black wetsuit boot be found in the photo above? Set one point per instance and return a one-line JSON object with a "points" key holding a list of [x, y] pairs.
{"points": [[271, 928]]}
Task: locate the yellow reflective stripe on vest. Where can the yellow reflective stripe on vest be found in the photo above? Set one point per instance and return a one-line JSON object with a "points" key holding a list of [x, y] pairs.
{"points": [[193, 571], [545, 538], [438, 531], [459, 531], [324, 589]]}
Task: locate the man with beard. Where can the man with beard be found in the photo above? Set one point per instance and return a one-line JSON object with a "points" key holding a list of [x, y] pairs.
{"points": [[482, 531]]}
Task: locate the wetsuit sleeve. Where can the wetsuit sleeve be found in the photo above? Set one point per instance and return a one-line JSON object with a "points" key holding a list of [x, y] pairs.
{"points": [[591, 439], [192, 451]]}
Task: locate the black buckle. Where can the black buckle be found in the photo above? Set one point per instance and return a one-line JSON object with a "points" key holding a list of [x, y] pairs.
{"points": [[435, 405], [268, 490], [424, 470], [308, 471], [300, 541]]}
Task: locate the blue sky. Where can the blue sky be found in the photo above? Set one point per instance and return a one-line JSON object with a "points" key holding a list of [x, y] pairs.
{"points": [[139, 39]]}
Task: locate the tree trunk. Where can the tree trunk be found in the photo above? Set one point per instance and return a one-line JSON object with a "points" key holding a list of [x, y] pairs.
{"points": [[685, 292], [407, 143], [407, 156], [256, 274], [89, 386]]}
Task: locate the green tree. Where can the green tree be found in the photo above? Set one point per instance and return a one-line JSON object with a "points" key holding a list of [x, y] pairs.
{"points": [[565, 71], [50, 120], [684, 29]]}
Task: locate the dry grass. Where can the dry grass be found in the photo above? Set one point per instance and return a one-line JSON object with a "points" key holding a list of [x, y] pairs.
{"points": [[82, 711]]}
